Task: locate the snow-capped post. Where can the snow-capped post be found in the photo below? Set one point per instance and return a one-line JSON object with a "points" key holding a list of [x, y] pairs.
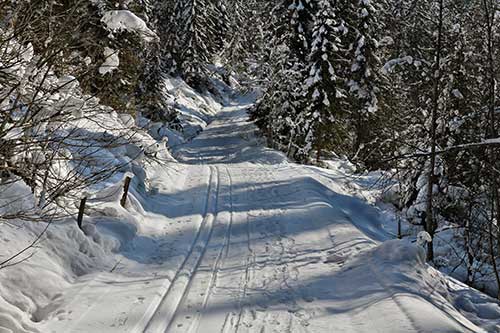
{"points": [[81, 211], [423, 238], [126, 186]]}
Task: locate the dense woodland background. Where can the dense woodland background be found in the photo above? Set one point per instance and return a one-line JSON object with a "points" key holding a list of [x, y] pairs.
{"points": [[406, 86]]}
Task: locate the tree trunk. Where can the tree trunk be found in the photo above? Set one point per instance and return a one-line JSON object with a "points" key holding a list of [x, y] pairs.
{"points": [[430, 225], [489, 11], [491, 243], [468, 247]]}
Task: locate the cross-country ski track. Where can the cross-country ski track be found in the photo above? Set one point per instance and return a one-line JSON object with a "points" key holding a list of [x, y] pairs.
{"points": [[251, 242]]}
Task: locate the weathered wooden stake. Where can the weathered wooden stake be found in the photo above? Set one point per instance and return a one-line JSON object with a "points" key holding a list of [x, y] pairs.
{"points": [[126, 185], [399, 229], [81, 210]]}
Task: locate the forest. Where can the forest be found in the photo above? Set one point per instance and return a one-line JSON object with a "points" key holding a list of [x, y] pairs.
{"points": [[405, 89]]}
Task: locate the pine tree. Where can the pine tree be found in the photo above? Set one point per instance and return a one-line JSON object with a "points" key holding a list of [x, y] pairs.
{"points": [[222, 25], [321, 122], [284, 100], [198, 31], [192, 52], [364, 79], [246, 21]]}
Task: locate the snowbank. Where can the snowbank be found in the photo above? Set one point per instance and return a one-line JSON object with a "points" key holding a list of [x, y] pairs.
{"points": [[395, 272], [67, 259], [16, 198], [48, 257], [30, 293]]}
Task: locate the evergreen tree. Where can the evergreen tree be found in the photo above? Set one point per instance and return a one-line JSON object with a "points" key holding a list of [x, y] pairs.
{"points": [[364, 79], [198, 33], [284, 98], [192, 51], [321, 121]]}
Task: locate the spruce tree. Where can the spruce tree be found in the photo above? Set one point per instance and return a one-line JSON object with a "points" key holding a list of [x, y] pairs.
{"points": [[198, 31], [321, 123], [284, 99], [364, 79]]}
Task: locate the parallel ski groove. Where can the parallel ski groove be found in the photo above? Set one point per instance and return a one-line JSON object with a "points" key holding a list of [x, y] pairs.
{"points": [[216, 267], [200, 260], [164, 314]]}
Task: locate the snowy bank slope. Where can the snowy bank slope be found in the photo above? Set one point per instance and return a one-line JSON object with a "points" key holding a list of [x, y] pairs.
{"points": [[194, 109], [235, 238]]}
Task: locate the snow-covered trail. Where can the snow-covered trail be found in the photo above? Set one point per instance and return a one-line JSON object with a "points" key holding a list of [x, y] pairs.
{"points": [[253, 243], [275, 262]]}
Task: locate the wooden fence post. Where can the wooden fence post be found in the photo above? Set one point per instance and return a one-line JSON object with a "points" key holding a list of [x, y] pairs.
{"points": [[81, 211], [126, 186]]}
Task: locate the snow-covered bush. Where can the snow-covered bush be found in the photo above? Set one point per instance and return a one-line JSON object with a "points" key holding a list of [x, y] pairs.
{"points": [[56, 135]]}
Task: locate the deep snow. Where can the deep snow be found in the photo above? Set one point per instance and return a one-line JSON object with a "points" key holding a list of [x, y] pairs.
{"points": [[234, 238]]}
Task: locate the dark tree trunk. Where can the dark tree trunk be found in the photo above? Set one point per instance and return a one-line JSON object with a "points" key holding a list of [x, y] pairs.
{"points": [[430, 225]]}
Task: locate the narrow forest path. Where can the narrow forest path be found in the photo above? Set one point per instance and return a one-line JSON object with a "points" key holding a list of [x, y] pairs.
{"points": [[264, 245]]}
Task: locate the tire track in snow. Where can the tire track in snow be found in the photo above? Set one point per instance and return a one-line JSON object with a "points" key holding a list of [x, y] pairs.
{"points": [[229, 256], [161, 318], [231, 212], [222, 255]]}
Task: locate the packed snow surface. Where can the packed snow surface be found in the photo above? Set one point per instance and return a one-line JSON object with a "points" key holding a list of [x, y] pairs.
{"points": [[232, 238]]}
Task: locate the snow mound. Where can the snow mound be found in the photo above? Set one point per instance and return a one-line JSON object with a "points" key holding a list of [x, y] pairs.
{"points": [[397, 276], [423, 238], [67, 259], [30, 293], [125, 20], [396, 252], [34, 284], [481, 309], [15, 198]]}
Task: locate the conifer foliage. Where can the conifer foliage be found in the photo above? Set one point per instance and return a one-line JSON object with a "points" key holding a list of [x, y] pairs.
{"points": [[323, 89], [198, 29]]}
